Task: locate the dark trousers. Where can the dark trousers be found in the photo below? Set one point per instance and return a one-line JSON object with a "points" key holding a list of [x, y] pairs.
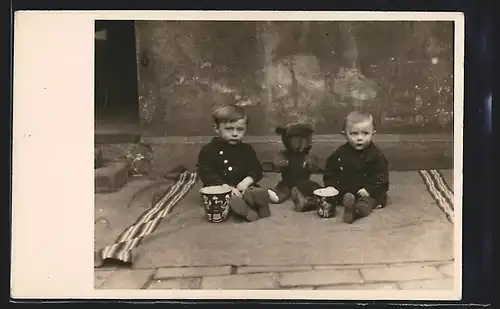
{"points": [[254, 197], [361, 206], [255, 201]]}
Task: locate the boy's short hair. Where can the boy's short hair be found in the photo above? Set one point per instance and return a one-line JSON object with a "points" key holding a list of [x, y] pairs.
{"points": [[357, 117], [228, 113]]}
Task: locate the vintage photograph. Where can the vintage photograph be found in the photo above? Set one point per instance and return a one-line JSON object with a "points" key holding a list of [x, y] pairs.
{"points": [[275, 155]]}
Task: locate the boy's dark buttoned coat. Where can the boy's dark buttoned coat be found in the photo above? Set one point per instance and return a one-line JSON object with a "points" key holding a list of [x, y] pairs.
{"points": [[222, 163], [349, 170]]}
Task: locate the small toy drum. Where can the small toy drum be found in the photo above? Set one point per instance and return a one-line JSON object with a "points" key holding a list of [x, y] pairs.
{"points": [[326, 204], [216, 202]]}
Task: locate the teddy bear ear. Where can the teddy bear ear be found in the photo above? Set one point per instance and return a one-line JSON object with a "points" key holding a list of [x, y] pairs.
{"points": [[308, 127], [280, 130]]}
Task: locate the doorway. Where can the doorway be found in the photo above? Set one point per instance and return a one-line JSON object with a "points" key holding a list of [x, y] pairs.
{"points": [[116, 103]]}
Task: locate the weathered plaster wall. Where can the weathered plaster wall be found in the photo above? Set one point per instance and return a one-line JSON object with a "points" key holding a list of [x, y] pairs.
{"points": [[283, 71]]}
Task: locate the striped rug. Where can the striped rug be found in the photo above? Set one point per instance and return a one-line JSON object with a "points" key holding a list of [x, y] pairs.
{"points": [[440, 191], [121, 251]]}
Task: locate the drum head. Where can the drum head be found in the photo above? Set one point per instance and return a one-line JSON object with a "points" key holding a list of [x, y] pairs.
{"points": [[214, 190], [328, 192]]}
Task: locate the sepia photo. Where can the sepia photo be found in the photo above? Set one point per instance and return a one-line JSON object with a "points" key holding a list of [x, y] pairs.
{"points": [[294, 155]]}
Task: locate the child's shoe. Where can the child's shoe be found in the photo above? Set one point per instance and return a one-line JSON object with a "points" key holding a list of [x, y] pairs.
{"points": [[261, 201], [264, 211], [302, 203], [258, 200], [298, 199], [349, 202], [241, 208]]}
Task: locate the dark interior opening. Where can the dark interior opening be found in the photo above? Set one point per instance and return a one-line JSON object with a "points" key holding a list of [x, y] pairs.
{"points": [[116, 94]]}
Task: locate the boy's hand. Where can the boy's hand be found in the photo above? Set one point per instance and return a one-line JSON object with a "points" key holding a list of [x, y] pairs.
{"points": [[363, 193], [241, 187], [244, 184], [234, 191]]}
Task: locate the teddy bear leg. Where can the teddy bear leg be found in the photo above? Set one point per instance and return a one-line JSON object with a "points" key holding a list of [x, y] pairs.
{"points": [[302, 202], [279, 194], [303, 196], [309, 193], [298, 199]]}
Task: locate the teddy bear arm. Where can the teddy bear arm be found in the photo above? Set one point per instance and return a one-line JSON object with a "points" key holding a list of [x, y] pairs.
{"points": [[281, 160], [312, 163]]}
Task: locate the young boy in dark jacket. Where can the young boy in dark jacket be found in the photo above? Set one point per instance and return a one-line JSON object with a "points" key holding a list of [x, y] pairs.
{"points": [[228, 161], [358, 169]]}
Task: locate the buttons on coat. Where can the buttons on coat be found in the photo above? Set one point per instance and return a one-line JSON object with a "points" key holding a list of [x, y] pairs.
{"points": [[230, 168]]}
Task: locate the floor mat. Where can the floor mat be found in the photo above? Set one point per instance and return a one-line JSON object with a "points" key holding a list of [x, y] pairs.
{"points": [[120, 251], [410, 228]]}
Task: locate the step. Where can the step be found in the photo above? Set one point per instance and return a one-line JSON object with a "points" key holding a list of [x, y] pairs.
{"points": [[106, 137], [111, 176]]}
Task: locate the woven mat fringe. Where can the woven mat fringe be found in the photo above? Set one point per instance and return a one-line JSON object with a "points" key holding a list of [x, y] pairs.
{"points": [[440, 191]]}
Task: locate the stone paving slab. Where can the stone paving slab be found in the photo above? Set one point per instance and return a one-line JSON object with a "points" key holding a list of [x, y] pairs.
{"points": [[264, 269], [372, 286], [447, 269], [354, 266], [400, 273], [175, 284], [128, 279], [425, 263], [184, 272], [244, 281], [410, 276], [436, 284], [101, 276], [315, 278]]}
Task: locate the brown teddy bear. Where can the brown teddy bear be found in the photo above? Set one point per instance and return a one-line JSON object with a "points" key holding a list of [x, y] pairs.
{"points": [[296, 166]]}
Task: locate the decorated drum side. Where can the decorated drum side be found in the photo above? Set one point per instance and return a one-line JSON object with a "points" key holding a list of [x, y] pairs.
{"points": [[216, 203], [326, 204]]}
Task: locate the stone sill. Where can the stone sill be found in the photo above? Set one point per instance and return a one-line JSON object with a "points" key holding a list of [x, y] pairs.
{"points": [[116, 138], [317, 139]]}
